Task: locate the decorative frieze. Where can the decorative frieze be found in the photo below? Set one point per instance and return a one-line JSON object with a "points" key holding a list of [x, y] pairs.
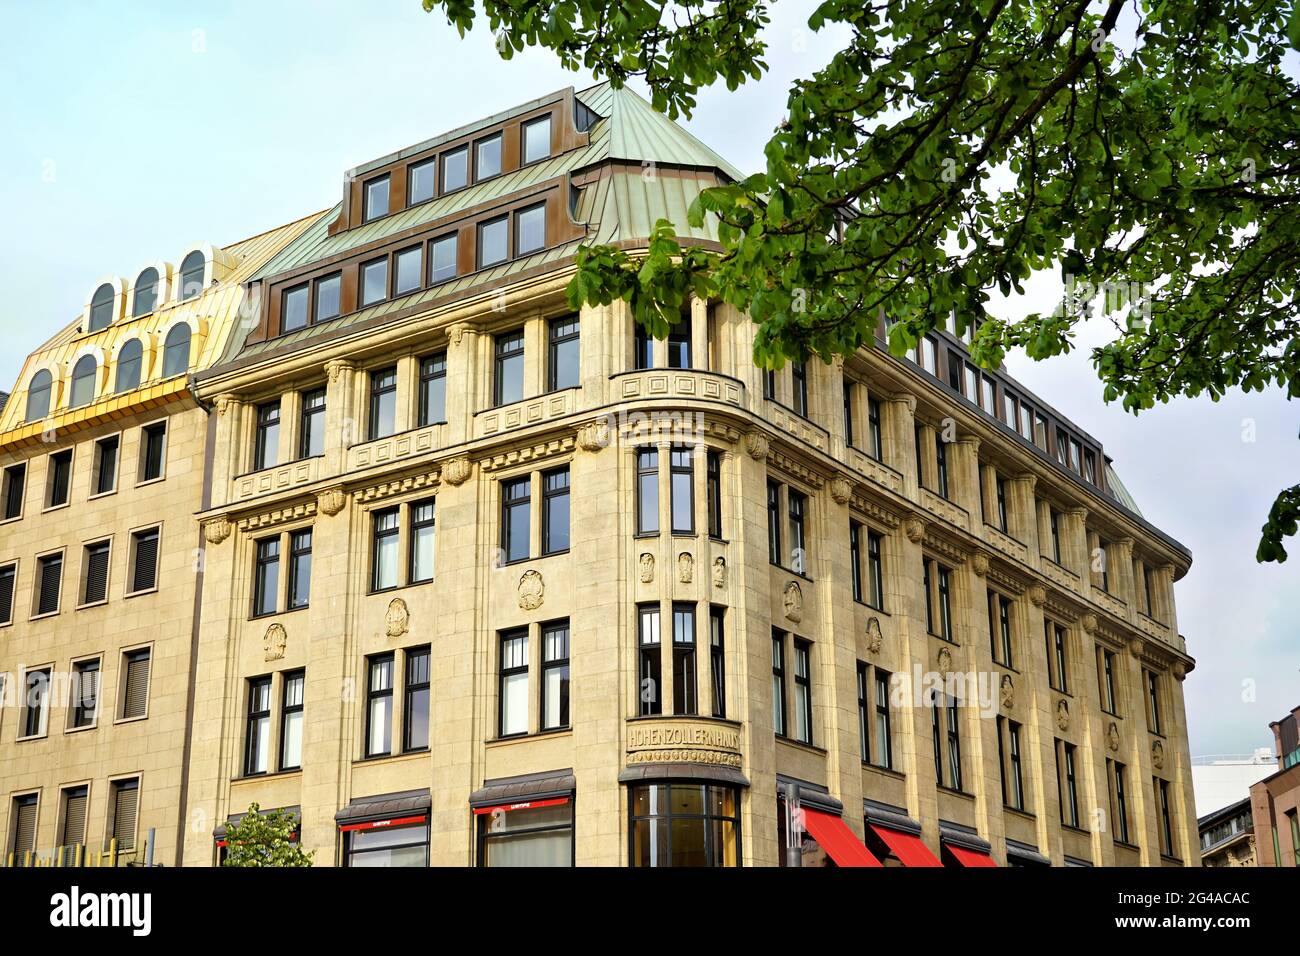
{"points": [[398, 486], [520, 456], [267, 519]]}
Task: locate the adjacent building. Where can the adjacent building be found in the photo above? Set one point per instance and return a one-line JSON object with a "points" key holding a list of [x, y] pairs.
{"points": [[1275, 800], [490, 581]]}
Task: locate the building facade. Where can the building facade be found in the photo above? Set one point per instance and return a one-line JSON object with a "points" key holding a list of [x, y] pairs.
{"points": [[1275, 800], [488, 581], [102, 452], [1228, 836]]}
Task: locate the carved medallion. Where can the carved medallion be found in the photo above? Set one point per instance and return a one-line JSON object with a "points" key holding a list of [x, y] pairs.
{"points": [[647, 565], [756, 444], [1157, 755], [841, 488], [1062, 715], [1178, 669], [457, 470], [874, 636], [274, 642], [532, 590], [397, 619], [594, 436], [1136, 646], [719, 572], [1112, 737], [217, 530], [685, 567], [1037, 594], [793, 602], [331, 501]]}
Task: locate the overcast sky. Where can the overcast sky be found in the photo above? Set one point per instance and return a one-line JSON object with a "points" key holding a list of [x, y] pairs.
{"points": [[134, 130]]}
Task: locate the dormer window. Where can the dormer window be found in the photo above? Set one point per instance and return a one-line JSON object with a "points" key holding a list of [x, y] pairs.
{"points": [[455, 169], [128, 366], [444, 259], [408, 270], [176, 350], [420, 182], [327, 297], [493, 237], [146, 292], [530, 229], [536, 140], [83, 382], [101, 308], [38, 395], [487, 158], [192, 268], [376, 199], [374, 281], [293, 308]]}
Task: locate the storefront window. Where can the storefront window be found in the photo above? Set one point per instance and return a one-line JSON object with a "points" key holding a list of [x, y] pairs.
{"points": [[387, 843], [684, 824], [538, 834]]}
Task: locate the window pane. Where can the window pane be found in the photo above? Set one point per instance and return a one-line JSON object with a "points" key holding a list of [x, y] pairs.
{"points": [[421, 183], [487, 157], [492, 238], [410, 264], [293, 310], [374, 281], [327, 298], [537, 139], [454, 171], [531, 226], [444, 259], [376, 198]]}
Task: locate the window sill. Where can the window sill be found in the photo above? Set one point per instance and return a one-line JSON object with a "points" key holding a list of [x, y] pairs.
{"points": [[782, 567], [802, 745], [81, 730], [131, 594], [955, 793], [646, 534], [41, 617], [1125, 844], [1165, 857], [17, 517], [540, 734], [59, 507], [411, 755], [940, 637], [1016, 811], [150, 481], [871, 607], [1071, 828], [130, 720], [887, 771], [23, 740]]}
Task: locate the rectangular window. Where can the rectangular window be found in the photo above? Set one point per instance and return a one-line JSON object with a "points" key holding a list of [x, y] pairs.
{"points": [[84, 705], [376, 199], [328, 302], [433, 389], [650, 660], [940, 465], [1153, 702], [455, 169], [94, 573], [1057, 656], [125, 802], [1090, 466], [530, 229], [415, 702], [713, 466], [135, 695], [105, 473], [419, 182], [679, 343], [718, 661], [684, 692], [311, 424], [36, 702], [266, 577], [383, 560], [643, 347], [374, 281], [524, 835], [1101, 564], [875, 444], [1054, 522], [682, 488], [487, 157], [987, 395], [647, 491], [1166, 817], [799, 384], [516, 497], [49, 578], [563, 348], [513, 717], [1120, 796], [293, 308], [954, 370], [936, 735], [1148, 606], [848, 412], [508, 379], [266, 443], [954, 744], [1040, 431], [59, 480], [778, 682], [300, 568], [291, 699], [423, 530], [803, 709], [383, 403], [1016, 774], [1000, 628], [797, 506], [23, 830], [555, 511], [555, 675], [1069, 797], [257, 739], [769, 384], [855, 559], [442, 259], [153, 456], [72, 831], [493, 241], [884, 747], [379, 706], [1106, 679], [536, 136], [864, 719], [875, 591], [8, 577], [1000, 486], [938, 615], [144, 560], [15, 481]]}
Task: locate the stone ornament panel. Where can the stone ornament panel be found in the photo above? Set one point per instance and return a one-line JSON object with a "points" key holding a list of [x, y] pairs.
{"points": [[683, 740], [277, 478], [530, 411], [396, 447]]}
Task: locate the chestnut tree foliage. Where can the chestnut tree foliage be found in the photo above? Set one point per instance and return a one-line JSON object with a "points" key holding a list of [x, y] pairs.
{"points": [[952, 149]]}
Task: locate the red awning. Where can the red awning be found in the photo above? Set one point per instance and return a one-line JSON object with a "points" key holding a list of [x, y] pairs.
{"points": [[525, 805], [969, 857], [380, 824], [910, 849], [837, 839]]}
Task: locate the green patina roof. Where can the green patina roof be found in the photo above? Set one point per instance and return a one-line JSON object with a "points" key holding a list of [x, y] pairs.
{"points": [[1120, 492]]}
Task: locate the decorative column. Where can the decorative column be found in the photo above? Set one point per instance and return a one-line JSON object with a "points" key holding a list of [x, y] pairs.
{"points": [[1022, 517], [1074, 545], [700, 334], [967, 471]]}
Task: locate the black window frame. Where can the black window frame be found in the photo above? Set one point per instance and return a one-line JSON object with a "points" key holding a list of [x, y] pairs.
{"points": [[681, 478], [256, 711], [883, 719], [713, 490], [518, 666], [90, 553], [718, 660], [83, 708], [874, 431], [780, 718], [266, 454], [363, 274], [290, 296], [43, 563], [803, 689], [288, 681], [383, 382], [433, 378], [300, 564], [153, 457], [417, 662], [375, 667], [517, 245], [552, 492], [555, 657], [508, 347], [480, 246], [266, 555], [379, 536], [649, 642], [417, 524], [647, 491], [412, 171], [59, 479], [311, 422], [318, 312], [516, 502], [15, 490], [562, 331], [524, 129], [106, 459], [441, 242], [686, 696]]}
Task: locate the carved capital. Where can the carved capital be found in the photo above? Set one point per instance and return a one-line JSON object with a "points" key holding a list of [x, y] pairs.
{"points": [[1136, 646], [331, 501], [456, 333], [979, 563], [757, 445], [1037, 594], [457, 470], [914, 528], [593, 436], [1088, 622], [841, 488], [225, 402], [336, 367], [1179, 670], [217, 530]]}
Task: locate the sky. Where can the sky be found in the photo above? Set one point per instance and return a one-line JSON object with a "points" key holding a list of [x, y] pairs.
{"points": [[133, 131]]}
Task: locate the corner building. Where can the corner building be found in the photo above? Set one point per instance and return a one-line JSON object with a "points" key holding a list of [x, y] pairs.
{"points": [[490, 582]]}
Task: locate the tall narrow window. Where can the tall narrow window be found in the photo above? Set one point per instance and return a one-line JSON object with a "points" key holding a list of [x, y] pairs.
{"points": [[1102, 565], [293, 308], [530, 229], [508, 381], [176, 350], [536, 135], [1057, 656], [443, 259], [59, 478], [718, 660], [684, 690], [773, 522], [643, 346], [415, 707], [941, 464], [797, 505], [146, 292], [875, 442], [291, 720], [15, 486], [1069, 784], [487, 157], [864, 721], [650, 661], [433, 389], [647, 491], [38, 395], [101, 308], [1000, 628], [125, 801], [563, 350], [1016, 775], [383, 562], [419, 182], [803, 708], [1000, 484], [408, 270], [848, 412], [422, 542], [778, 682], [300, 568], [328, 302], [135, 695], [72, 832], [884, 750], [1149, 607], [374, 282], [855, 559], [555, 511], [493, 241], [375, 199], [1166, 817], [555, 675], [1153, 702], [455, 169], [257, 733], [49, 577], [311, 424], [23, 815], [36, 702], [682, 477], [129, 363], [713, 466], [85, 694], [1054, 522], [799, 385], [515, 503], [1106, 678], [514, 683], [266, 576], [875, 594], [1121, 802], [769, 384], [267, 442], [954, 744], [383, 403], [8, 574], [379, 706], [94, 578], [679, 343]]}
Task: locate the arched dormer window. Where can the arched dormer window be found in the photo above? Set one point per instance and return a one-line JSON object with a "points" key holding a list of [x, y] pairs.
{"points": [[176, 350], [38, 395], [101, 308], [128, 366], [146, 292], [83, 382], [192, 268]]}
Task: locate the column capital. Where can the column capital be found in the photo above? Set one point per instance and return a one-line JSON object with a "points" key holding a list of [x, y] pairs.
{"points": [[335, 367], [457, 332], [226, 401]]}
